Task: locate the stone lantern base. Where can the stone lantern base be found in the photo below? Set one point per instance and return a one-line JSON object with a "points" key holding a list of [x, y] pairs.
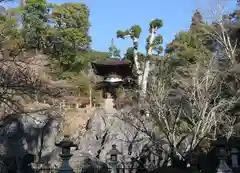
{"points": [[224, 168]]}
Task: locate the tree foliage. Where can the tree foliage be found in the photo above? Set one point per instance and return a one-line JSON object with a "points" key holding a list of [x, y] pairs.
{"points": [[191, 92], [191, 45], [129, 54], [34, 18], [58, 31], [19, 80], [113, 51], [69, 40], [193, 88], [153, 43], [134, 31]]}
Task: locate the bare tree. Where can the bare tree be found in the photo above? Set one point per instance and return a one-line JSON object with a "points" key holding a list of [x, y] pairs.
{"points": [[185, 110], [219, 31], [188, 105], [20, 82]]}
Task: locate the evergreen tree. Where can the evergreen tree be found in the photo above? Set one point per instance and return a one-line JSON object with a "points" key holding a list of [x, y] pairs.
{"points": [[129, 55], [34, 19], [113, 51], [193, 44], [153, 44], [69, 40], [197, 20]]}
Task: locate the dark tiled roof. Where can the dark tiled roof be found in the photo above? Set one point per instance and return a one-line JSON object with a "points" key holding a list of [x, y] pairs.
{"points": [[111, 62]]}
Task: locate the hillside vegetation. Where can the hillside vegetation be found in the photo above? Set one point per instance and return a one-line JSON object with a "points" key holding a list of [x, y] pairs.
{"points": [[189, 91], [50, 48]]}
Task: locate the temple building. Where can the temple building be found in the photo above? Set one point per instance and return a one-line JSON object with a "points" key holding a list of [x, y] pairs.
{"points": [[116, 73]]}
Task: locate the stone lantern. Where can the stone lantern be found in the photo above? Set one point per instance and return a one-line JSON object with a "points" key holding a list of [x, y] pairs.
{"points": [[66, 145], [221, 146], [114, 152], [234, 145]]}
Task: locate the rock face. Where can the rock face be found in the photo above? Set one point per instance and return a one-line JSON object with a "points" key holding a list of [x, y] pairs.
{"points": [[33, 134], [104, 129], [36, 135]]}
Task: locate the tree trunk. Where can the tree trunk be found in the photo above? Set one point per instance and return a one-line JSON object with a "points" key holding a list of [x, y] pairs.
{"points": [[136, 61], [146, 69], [144, 80], [22, 3]]}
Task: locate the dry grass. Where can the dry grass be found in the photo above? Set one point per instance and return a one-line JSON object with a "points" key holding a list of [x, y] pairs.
{"points": [[75, 120], [38, 68], [35, 106]]}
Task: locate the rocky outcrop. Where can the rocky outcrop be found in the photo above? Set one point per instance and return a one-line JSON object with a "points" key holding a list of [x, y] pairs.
{"points": [[36, 134], [33, 134], [104, 129]]}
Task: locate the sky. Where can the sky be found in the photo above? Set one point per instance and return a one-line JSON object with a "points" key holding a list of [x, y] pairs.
{"points": [[108, 16]]}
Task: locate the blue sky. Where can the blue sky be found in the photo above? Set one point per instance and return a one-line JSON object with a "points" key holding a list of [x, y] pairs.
{"points": [[107, 16]]}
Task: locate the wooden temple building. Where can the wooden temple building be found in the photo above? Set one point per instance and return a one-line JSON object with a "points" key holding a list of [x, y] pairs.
{"points": [[116, 73]]}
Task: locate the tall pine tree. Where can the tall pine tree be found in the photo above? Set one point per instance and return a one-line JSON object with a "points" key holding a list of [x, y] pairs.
{"points": [[34, 19], [69, 41], [197, 21], [113, 51]]}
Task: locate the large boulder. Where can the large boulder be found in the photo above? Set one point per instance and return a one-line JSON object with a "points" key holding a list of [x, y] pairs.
{"points": [[33, 134], [102, 131]]}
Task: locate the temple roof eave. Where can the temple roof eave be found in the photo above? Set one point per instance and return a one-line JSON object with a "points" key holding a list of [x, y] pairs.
{"points": [[111, 62]]}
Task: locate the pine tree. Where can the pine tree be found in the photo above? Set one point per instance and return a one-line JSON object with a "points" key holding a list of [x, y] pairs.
{"points": [[69, 39], [153, 44], [34, 20], [194, 44], [197, 20], [113, 51]]}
